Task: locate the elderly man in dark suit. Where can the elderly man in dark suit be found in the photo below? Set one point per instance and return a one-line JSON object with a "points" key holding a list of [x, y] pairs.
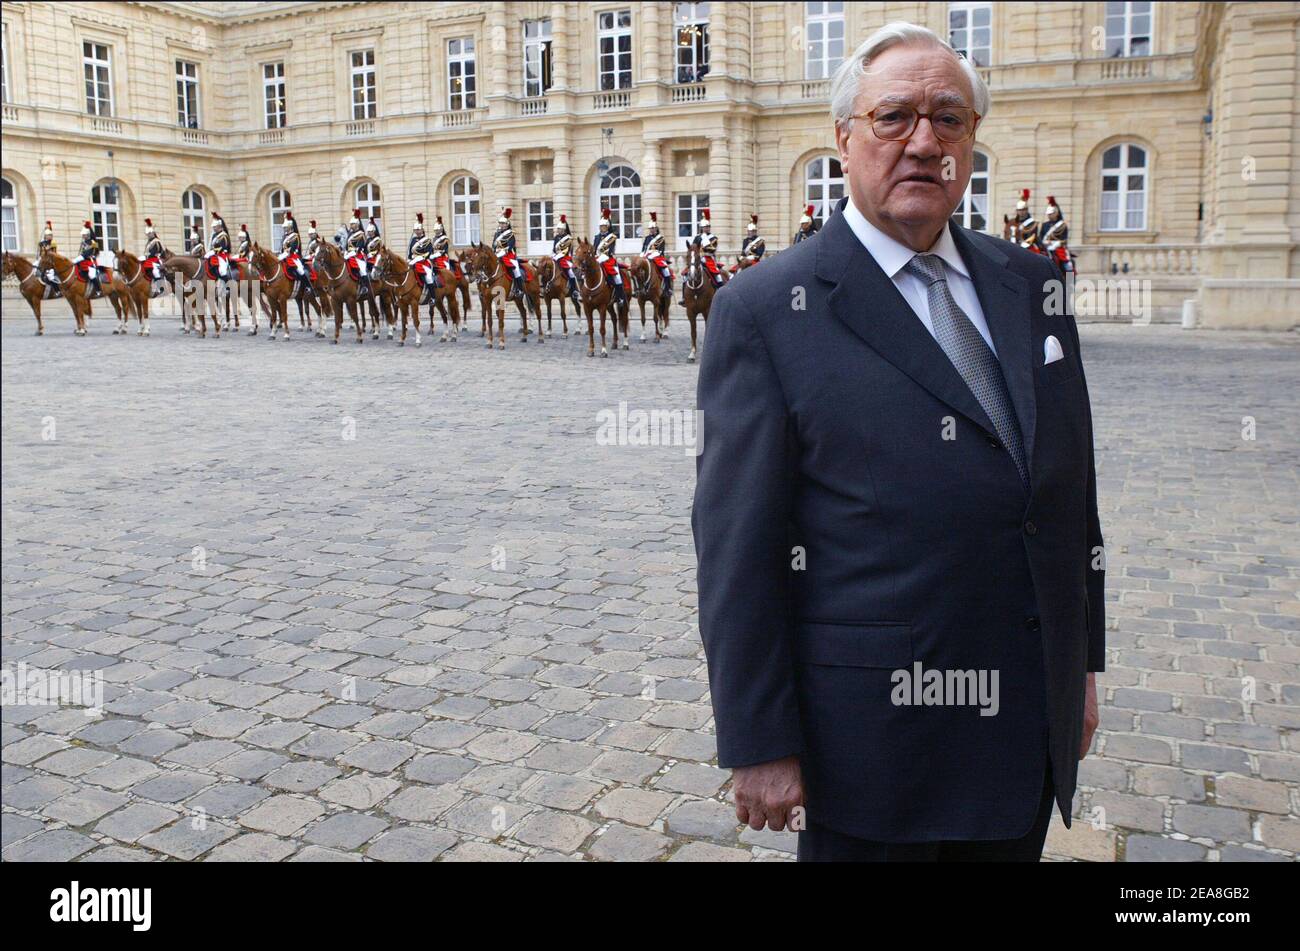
{"points": [[900, 561]]}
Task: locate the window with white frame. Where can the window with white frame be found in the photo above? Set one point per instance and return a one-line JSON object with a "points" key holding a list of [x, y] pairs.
{"points": [[537, 57], [365, 98], [368, 202], [462, 80], [689, 207], [691, 41], [541, 223], [1124, 188], [823, 39], [465, 211], [1128, 29], [619, 190], [275, 109], [614, 47], [278, 204], [970, 31], [106, 215], [193, 210], [187, 94], [973, 212], [97, 67], [8, 215], [4, 62], [823, 187]]}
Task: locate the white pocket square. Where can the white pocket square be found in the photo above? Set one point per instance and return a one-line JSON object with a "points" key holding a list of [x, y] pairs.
{"points": [[1052, 350]]}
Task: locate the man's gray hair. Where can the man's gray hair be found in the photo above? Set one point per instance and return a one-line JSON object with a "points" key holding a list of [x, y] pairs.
{"points": [[844, 85]]}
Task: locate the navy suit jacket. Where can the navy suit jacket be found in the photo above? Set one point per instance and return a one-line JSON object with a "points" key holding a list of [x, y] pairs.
{"points": [[855, 515]]}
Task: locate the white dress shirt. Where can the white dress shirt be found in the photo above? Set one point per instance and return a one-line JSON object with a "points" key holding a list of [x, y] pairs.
{"points": [[892, 256]]}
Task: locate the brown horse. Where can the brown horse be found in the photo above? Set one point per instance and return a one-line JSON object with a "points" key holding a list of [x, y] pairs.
{"points": [[554, 286], [400, 287], [277, 287], [597, 295], [75, 290], [140, 284], [332, 272], [649, 287], [194, 272], [395, 269], [697, 292], [494, 285], [29, 284]]}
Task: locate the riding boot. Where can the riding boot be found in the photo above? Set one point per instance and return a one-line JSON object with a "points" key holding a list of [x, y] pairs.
{"points": [[620, 294], [96, 288], [573, 292], [517, 288]]}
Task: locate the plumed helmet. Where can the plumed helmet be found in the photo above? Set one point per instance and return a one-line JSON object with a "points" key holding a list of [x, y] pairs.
{"points": [[419, 221], [807, 217], [704, 218], [1023, 203], [311, 226], [654, 220], [437, 225], [504, 217], [371, 226], [1052, 207], [604, 218], [563, 225], [49, 230], [148, 226], [356, 218], [753, 223], [194, 234], [86, 229]]}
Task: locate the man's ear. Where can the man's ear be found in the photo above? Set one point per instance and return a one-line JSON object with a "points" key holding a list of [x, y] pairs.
{"points": [[843, 131]]}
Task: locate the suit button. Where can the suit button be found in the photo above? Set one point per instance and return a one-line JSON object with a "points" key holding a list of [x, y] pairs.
{"points": [[995, 442], [1032, 623], [1031, 528]]}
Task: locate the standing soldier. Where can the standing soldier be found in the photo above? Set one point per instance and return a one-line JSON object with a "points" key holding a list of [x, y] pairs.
{"points": [[806, 229], [707, 242], [653, 248], [419, 254], [562, 255], [1055, 237], [605, 244], [87, 258], [752, 248], [48, 243], [503, 246], [153, 251], [355, 248], [219, 247]]}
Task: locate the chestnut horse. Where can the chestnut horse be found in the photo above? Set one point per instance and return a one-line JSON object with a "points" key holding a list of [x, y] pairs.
{"points": [[29, 284], [494, 284], [597, 295], [194, 271], [554, 287], [332, 273], [649, 287], [75, 289], [404, 291], [277, 286], [697, 292], [140, 284]]}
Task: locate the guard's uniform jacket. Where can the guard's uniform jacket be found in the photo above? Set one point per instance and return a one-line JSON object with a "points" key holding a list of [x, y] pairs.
{"points": [[753, 247], [245, 245], [802, 235], [653, 248], [1027, 233], [1055, 238]]}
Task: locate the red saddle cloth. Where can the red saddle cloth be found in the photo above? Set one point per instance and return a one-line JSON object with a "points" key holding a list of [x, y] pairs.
{"points": [[661, 262], [354, 266], [214, 269], [611, 266], [424, 265], [291, 267], [448, 262], [564, 263], [83, 271], [710, 264], [150, 263]]}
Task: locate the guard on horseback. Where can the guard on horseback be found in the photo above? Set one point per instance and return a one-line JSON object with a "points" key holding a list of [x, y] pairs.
{"points": [[85, 262], [219, 247], [562, 255], [1055, 237], [442, 250], [374, 240], [419, 254], [653, 248], [153, 252], [1025, 227], [806, 229], [605, 243], [245, 244], [291, 255], [752, 248], [503, 246], [196, 244], [707, 242], [50, 279], [355, 248]]}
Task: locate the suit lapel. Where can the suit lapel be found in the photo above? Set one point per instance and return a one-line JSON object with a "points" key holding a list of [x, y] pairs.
{"points": [[1005, 298], [867, 301]]}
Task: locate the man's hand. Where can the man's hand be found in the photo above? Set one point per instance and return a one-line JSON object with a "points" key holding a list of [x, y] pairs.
{"points": [[1090, 716], [767, 792]]}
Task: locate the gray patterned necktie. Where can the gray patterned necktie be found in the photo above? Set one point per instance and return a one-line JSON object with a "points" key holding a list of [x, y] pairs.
{"points": [[971, 355]]}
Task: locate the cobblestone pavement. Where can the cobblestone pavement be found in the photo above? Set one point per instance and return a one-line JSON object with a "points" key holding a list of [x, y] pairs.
{"points": [[358, 602]]}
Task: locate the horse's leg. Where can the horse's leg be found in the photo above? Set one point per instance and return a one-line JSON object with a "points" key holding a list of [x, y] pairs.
{"points": [[604, 313], [337, 306], [358, 314], [690, 315], [35, 301]]}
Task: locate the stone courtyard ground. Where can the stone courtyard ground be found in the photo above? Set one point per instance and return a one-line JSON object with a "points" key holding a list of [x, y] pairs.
{"points": [[362, 602]]}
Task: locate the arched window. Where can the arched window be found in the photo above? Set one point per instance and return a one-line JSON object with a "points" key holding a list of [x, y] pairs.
{"points": [[973, 212], [192, 211], [279, 203], [823, 187], [368, 202], [8, 215], [1124, 188], [619, 190], [465, 210], [106, 215]]}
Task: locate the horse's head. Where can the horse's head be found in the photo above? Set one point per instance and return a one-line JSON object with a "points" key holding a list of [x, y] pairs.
{"points": [[6, 264]]}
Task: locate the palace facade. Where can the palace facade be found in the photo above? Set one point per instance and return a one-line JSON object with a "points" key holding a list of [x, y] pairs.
{"points": [[1167, 132]]}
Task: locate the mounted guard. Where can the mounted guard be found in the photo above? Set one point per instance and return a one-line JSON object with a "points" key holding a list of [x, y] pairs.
{"points": [[1023, 228], [653, 249], [503, 246], [420, 255], [291, 254], [442, 257], [196, 244], [605, 244], [219, 248], [87, 261], [752, 248], [806, 229], [707, 242], [355, 249], [245, 244], [1055, 237], [374, 240], [50, 278], [153, 252], [562, 255]]}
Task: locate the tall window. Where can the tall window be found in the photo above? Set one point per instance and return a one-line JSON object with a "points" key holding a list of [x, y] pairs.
{"points": [[970, 31], [464, 210], [973, 212], [106, 215], [187, 94], [537, 57], [368, 202], [364, 97], [97, 67], [688, 214], [8, 216], [275, 108], [278, 203], [691, 40], [462, 83], [192, 216], [620, 192], [4, 62], [1124, 188], [614, 45], [1128, 29], [541, 222], [824, 32], [823, 187]]}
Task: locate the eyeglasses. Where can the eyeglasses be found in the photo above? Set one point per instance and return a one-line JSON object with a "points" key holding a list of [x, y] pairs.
{"points": [[893, 122]]}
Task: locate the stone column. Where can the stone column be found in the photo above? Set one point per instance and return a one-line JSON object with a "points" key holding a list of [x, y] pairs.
{"points": [[498, 47], [652, 26], [719, 39], [652, 179], [562, 187], [559, 47], [721, 211], [502, 187]]}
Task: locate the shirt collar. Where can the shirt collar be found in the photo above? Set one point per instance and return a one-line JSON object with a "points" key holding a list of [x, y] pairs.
{"points": [[892, 255]]}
